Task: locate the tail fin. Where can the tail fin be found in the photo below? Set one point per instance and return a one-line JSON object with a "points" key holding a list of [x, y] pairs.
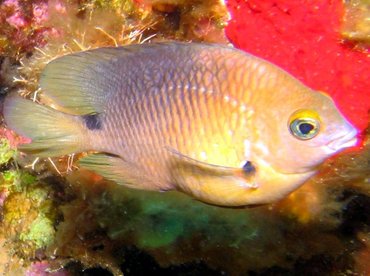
{"points": [[53, 133]]}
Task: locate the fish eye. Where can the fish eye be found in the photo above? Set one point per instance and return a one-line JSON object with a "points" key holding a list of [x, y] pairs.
{"points": [[304, 124]]}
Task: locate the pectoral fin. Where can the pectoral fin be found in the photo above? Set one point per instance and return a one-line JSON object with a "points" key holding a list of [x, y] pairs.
{"points": [[113, 168], [226, 186], [216, 170]]}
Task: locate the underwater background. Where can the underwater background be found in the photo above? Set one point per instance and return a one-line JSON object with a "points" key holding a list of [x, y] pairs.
{"points": [[58, 220]]}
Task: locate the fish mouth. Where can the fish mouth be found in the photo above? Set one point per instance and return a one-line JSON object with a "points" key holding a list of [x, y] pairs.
{"points": [[345, 141]]}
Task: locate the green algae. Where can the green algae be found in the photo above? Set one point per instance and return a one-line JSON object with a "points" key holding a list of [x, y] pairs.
{"points": [[6, 152], [28, 213], [154, 220], [17, 180], [40, 232]]}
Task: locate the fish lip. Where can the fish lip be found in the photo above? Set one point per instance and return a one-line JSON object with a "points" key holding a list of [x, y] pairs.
{"points": [[342, 142]]}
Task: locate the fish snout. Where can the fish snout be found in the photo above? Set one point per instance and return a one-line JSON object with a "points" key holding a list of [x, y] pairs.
{"points": [[349, 139]]}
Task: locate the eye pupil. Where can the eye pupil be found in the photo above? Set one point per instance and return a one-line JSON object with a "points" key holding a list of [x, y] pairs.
{"points": [[305, 128]]}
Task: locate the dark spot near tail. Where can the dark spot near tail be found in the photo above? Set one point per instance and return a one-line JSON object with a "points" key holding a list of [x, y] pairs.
{"points": [[248, 167], [92, 121]]}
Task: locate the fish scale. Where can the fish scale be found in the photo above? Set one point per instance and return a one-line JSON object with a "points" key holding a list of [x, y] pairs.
{"points": [[178, 103]]}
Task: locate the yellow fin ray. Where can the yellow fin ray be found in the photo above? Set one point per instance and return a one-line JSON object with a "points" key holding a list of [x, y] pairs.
{"points": [[53, 133], [113, 168]]}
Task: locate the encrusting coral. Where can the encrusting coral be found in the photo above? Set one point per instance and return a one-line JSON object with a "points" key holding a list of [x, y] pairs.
{"points": [[356, 26], [57, 218]]}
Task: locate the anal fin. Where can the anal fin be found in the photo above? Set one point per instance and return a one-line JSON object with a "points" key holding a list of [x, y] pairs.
{"points": [[113, 168]]}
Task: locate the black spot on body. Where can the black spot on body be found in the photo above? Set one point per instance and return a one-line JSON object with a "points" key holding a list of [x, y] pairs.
{"points": [[92, 121], [248, 167]]}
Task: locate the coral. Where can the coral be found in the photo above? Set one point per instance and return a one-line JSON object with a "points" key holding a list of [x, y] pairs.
{"points": [[43, 269], [32, 221], [120, 6], [28, 216], [41, 231], [20, 25], [356, 26], [191, 20], [6, 152], [363, 256], [9, 265]]}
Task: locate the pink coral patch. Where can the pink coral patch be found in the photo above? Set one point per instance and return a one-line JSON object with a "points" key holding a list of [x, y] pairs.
{"points": [[40, 13], [16, 20], [14, 139]]}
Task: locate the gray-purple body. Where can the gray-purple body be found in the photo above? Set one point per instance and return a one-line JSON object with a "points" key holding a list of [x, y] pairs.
{"points": [[182, 116]]}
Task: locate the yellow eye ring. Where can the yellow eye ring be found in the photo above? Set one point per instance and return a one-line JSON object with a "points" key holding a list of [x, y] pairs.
{"points": [[304, 124]]}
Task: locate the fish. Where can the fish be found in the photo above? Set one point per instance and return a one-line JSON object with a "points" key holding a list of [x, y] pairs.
{"points": [[218, 124]]}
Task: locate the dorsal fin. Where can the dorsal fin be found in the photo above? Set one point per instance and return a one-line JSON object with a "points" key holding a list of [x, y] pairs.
{"points": [[79, 82]]}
